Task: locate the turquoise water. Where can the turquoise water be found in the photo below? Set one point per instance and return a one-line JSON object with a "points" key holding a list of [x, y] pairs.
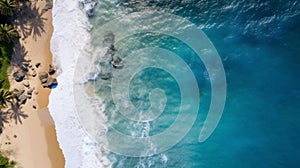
{"points": [[258, 42]]}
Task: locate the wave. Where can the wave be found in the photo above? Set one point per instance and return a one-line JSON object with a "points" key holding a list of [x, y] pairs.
{"points": [[70, 40]]}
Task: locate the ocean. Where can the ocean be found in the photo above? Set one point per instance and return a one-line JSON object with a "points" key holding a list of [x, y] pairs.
{"points": [[101, 113]]}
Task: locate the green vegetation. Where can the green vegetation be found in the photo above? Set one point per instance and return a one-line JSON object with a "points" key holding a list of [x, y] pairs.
{"points": [[5, 56], [6, 162], [5, 97], [8, 33], [8, 37], [8, 7]]}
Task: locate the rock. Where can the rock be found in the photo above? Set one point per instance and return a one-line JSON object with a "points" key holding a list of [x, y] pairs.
{"points": [[33, 106], [51, 81], [34, 73], [43, 81], [18, 91], [109, 40], [37, 64], [19, 75], [117, 65], [105, 76], [32, 69], [22, 99], [48, 5], [25, 63], [24, 68], [36, 92], [26, 83], [29, 66], [29, 91], [43, 76], [52, 70], [29, 96], [90, 11], [117, 62], [88, 6]]}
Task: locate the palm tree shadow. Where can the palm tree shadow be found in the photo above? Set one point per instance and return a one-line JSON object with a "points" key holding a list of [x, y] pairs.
{"points": [[19, 55], [30, 20], [16, 113], [3, 120]]}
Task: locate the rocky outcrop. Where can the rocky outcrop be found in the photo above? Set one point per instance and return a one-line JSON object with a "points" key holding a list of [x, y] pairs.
{"points": [[43, 76], [19, 75], [22, 94], [88, 6], [50, 82], [18, 91], [46, 80], [116, 62], [22, 99]]}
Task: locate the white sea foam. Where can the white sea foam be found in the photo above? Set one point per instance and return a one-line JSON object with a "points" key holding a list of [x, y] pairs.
{"points": [[71, 40]]}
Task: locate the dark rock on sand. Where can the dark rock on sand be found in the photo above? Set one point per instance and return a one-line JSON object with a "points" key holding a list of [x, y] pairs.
{"points": [[18, 91], [46, 80], [34, 73], [52, 70], [37, 64], [22, 99], [29, 91], [19, 75], [24, 68], [25, 63], [43, 76], [50, 82]]}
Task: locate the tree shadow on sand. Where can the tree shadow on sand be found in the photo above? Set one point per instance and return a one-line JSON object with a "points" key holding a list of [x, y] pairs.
{"points": [[30, 20], [16, 113], [3, 119], [19, 55]]}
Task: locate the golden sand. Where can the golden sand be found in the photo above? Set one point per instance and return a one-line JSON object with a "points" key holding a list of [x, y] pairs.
{"points": [[36, 144]]}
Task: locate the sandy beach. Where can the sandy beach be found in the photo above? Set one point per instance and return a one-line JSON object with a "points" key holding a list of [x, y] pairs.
{"points": [[33, 143]]}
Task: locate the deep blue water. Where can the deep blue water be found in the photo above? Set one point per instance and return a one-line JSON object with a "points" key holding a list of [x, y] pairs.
{"points": [[259, 44]]}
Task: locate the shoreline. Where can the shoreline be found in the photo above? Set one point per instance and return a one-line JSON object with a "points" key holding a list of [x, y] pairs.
{"points": [[36, 143]]}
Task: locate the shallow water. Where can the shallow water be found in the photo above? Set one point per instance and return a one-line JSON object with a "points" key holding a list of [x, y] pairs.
{"points": [[258, 42]]}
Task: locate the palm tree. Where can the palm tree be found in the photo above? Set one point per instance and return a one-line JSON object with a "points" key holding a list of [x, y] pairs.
{"points": [[8, 33], [8, 7], [5, 96]]}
